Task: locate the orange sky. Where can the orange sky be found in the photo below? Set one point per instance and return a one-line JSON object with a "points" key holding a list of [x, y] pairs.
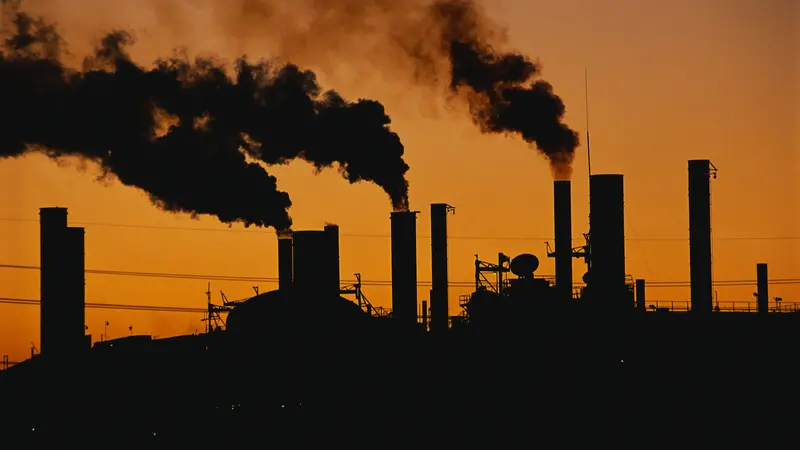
{"points": [[669, 81]]}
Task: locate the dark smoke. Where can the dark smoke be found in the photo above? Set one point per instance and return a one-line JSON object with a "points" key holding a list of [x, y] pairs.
{"points": [[503, 92], [110, 111], [450, 40]]}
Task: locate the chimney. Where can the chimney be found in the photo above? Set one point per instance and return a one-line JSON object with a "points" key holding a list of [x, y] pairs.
{"points": [[607, 239], [562, 200], [285, 265], [74, 311], [52, 278], [439, 277], [333, 275], [313, 265], [763, 288], [641, 299], [700, 235], [404, 267]]}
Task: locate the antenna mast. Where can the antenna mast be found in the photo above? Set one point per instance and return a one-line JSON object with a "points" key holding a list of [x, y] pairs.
{"points": [[586, 91]]}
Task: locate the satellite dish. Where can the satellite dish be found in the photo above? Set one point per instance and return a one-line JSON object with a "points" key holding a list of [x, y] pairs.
{"points": [[524, 265]]}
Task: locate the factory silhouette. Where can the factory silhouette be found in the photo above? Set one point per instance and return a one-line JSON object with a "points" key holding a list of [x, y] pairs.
{"points": [[526, 360]]}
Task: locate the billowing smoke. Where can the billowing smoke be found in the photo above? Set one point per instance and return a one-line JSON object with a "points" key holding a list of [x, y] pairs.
{"points": [[450, 42], [112, 110]]}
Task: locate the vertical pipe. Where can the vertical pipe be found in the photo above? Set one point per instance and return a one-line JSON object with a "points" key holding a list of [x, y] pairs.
{"points": [[52, 227], [285, 264], [439, 272], [424, 315], [763, 288], [404, 267], [333, 275], [562, 200], [607, 233], [641, 300], [74, 314], [700, 236], [312, 265]]}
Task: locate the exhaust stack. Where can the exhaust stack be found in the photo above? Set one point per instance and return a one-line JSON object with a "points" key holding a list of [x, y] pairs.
{"points": [[285, 264], [607, 239], [404, 267], [315, 261], [763, 288], [562, 200], [439, 271], [700, 235], [62, 285]]}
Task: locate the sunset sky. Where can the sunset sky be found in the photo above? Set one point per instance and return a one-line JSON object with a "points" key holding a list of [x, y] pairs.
{"points": [[668, 81]]}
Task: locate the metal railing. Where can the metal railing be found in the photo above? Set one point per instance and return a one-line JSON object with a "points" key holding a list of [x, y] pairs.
{"points": [[726, 306]]}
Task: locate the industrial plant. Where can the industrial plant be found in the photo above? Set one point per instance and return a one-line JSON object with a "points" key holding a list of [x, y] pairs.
{"points": [[314, 354]]}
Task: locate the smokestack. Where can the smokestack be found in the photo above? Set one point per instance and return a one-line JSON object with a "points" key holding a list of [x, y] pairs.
{"points": [[439, 276], [763, 288], [700, 235], [74, 312], [562, 198], [333, 272], [404, 267], [285, 264], [641, 299], [313, 265], [607, 239], [52, 279], [62, 284]]}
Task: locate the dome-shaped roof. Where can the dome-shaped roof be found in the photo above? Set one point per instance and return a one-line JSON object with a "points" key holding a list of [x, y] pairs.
{"points": [[274, 312]]}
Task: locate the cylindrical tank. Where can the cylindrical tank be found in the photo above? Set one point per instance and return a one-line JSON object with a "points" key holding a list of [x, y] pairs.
{"points": [[607, 239], [316, 268]]}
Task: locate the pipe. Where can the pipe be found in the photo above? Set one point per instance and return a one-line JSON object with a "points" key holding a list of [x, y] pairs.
{"points": [[404, 267], [562, 200], [763, 288], [285, 264], [700, 236], [439, 272], [607, 240], [424, 315]]}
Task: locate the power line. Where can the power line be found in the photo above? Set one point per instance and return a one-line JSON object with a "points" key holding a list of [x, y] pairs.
{"points": [[386, 236], [178, 309], [210, 277]]}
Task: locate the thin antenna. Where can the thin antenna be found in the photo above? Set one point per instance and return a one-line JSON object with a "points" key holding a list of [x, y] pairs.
{"points": [[588, 147]]}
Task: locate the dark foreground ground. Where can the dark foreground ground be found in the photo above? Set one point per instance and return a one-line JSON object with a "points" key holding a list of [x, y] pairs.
{"points": [[654, 384]]}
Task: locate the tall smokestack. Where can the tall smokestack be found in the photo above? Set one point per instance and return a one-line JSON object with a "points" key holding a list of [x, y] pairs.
{"points": [[763, 288], [700, 235], [74, 312], [52, 227], [333, 272], [562, 198], [439, 292], [404, 267], [607, 239], [285, 264], [313, 265]]}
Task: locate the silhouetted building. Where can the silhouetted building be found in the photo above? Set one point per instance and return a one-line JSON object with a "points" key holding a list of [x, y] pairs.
{"points": [[700, 235], [439, 271], [316, 263], [404, 267], [607, 240]]}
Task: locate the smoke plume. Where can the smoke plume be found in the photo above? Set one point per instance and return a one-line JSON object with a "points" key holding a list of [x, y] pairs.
{"points": [[113, 112], [445, 42]]}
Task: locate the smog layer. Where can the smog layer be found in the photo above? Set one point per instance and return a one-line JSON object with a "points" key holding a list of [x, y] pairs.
{"points": [[197, 137]]}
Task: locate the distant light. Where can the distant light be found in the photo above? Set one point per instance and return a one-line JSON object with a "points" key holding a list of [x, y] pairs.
{"points": [[283, 406], [622, 360], [154, 433], [33, 429]]}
